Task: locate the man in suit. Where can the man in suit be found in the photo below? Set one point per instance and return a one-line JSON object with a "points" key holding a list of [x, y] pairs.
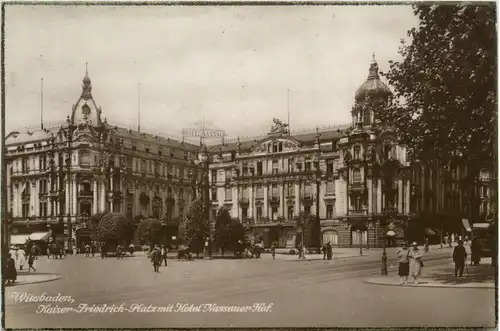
{"points": [[459, 257]]}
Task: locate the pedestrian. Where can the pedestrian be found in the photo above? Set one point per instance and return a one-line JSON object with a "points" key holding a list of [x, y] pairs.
{"points": [[10, 270], [47, 251], [34, 251], [156, 259], [459, 257], [31, 261], [323, 249], [416, 263], [87, 250], [164, 253], [92, 248], [475, 257], [273, 250], [329, 250], [404, 263], [21, 258], [426, 245], [131, 249], [119, 251], [103, 250]]}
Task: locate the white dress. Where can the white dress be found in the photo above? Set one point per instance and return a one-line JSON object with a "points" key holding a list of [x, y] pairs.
{"points": [[21, 258]]}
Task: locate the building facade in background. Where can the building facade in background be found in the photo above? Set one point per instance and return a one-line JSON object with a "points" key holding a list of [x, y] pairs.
{"points": [[369, 193], [59, 177]]}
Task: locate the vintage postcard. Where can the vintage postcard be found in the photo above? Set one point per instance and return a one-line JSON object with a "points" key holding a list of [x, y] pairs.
{"points": [[249, 165]]}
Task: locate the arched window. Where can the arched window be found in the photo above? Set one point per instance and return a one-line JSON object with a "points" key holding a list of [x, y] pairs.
{"points": [[367, 117], [357, 153], [269, 146], [280, 148], [356, 176]]}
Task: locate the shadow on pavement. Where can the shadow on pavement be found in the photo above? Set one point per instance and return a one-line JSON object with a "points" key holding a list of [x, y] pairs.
{"points": [[472, 274]]}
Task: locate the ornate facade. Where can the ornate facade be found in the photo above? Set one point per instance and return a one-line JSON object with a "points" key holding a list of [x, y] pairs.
{"points": [[369, 194], [58, 177]]}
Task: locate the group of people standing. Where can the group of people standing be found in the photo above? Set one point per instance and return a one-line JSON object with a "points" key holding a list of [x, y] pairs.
{"points": [[410, 263], [16, 259], [158, 255], [327, 251]]}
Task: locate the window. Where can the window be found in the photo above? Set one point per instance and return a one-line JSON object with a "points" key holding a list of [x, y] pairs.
{"points": [[214, 214], [275, 148], [356, 203], [290, 190], [259, 191], [308, 190], [274, 191], [259, 213], [181, 194], [229, 174], [329, 212], [366, 117], [214, 176], [84, 158], [280, 147], [307, 210], [330, 188], [329, 167], [214, 194], [290, 212], [259, 168], [181, 212], [387, 152], [275, 166], [308, 166], [356, 176], [357, 153], [274, 214], [245, 170], [244, 213], [228, 194]]}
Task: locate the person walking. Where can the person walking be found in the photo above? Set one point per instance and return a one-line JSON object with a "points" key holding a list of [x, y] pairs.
{"points": [[416, 263], [34, 251], [156, 259], [164, 253], [21, 258], [323, 249], [475, 257], [10, 270], [273, 250], [404, 263], [31, 261], [119, 251], [87, 250], [426, 245], [329, 251], [459, 257]]}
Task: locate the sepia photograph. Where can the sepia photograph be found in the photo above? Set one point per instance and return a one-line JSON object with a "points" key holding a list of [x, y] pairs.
{"points": [[249, 165]]}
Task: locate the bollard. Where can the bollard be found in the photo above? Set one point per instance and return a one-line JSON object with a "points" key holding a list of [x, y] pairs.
{"points": [[384, 264]]}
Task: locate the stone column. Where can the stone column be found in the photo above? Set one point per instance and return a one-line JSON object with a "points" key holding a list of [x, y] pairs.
{"points": [[67, 202], [103, 196], [296, 207], [94, 198], [408, 197], [400, 196], [370, 196], [379, 196], [266, 205], [235, 208], [282, 202], [75, 192], [251, 201], [36, 198]]}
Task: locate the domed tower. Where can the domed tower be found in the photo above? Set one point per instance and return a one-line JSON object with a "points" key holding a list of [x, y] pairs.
{"points": [[86, 111], [372, 89]]}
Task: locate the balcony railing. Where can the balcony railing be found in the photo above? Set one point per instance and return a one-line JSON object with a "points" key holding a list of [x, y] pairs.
{"points": [[358, 212], [274, 200], [244, 201], [86, 193]]}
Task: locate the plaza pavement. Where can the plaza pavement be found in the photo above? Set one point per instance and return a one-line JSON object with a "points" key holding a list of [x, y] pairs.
{"points": [[314, 293]]}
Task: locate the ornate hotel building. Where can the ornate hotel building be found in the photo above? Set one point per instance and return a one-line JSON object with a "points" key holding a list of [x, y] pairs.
{"points": [[59, 177], [369, 193]]}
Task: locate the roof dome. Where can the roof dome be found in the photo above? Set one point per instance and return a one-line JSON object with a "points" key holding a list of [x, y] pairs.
{"points": [[373, 85]]}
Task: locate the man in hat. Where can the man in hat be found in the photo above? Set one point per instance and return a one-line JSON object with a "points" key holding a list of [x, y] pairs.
{"points": [[459, 257]]}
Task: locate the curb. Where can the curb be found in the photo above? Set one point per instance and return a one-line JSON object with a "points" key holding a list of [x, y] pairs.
{"points": [[487, 286], [57, 277], [336, 258]]}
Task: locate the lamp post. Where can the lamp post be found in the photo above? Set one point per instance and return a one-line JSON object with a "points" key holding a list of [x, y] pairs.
{"points": [[203, 160]]}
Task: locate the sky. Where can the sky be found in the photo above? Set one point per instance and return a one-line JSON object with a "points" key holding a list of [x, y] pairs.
{"points": [[229, 65]]}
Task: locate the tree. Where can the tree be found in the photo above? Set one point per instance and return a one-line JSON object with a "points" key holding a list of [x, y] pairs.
{"points": [[149, 230], [222, 231], [115, 228], [195, 227], [444, 104]]}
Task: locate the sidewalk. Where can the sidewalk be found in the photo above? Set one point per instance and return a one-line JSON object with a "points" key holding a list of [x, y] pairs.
{"points": [[25, 278], [481, 276]]}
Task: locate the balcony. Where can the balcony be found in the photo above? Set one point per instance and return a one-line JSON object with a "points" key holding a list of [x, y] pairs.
{"points": [[274, 200], [359, 186], [307, 200], [86, 194], [358, 212], [244, 201]]}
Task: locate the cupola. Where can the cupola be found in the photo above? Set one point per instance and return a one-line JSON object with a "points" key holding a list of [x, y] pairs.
{"points": [[373, 86]]}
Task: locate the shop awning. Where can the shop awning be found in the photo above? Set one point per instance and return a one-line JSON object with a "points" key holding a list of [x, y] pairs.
{"points": [[429, 232], [39, 236], [18, 239], [391, 233], [466, 224]]}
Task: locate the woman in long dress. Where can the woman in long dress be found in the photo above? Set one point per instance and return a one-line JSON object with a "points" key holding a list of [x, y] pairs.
{"points": [[415, 256], [21, 258], [404, 264]]}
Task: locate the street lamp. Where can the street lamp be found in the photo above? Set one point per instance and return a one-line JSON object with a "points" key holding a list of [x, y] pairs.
{"points": [[203, 158]]}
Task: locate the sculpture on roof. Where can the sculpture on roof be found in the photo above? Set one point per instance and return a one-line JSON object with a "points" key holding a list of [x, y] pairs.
{"points": [[279, 126]]}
